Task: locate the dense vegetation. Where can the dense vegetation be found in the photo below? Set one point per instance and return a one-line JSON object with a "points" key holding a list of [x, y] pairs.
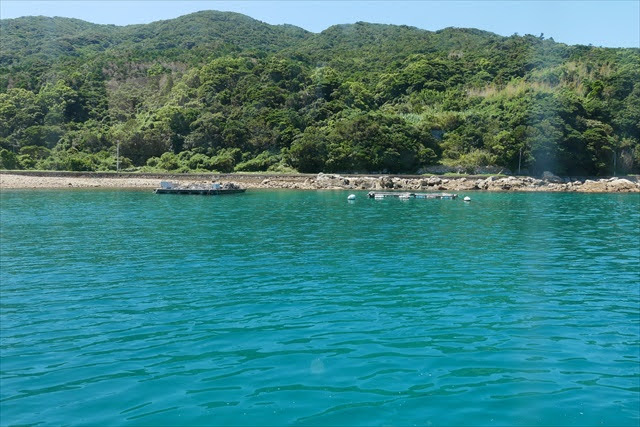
{"points": [[222, 92]]}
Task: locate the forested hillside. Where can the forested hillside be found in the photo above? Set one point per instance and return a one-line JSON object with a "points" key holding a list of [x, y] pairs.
{"points": [[215, 91]]}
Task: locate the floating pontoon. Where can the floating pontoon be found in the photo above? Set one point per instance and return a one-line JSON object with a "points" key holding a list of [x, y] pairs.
{"points": [[407, 195]]}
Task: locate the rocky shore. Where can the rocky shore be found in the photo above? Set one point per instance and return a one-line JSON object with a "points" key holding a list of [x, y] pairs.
{"points": [[491, 183], [323, 181]]}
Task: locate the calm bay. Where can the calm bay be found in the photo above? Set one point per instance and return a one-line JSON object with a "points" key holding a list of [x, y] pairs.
{"points": [[292, 307]]}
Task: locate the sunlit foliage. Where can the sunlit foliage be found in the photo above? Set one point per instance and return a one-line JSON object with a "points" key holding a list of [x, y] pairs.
{"points": [[222, 92]]}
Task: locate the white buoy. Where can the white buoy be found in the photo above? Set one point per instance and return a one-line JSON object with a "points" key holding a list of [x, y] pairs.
{"points": [[351, 197], [467, 199]]}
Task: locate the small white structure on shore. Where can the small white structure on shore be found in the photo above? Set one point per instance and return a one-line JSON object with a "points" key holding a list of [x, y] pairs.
{"points": [[351, 197], [467, 199]]}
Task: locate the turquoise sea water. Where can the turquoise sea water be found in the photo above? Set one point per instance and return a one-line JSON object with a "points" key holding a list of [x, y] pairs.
{"points": [[285, 307]]}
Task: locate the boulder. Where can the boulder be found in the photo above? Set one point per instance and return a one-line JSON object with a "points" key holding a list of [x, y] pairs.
{"points": [[385, 182], [591, 186], [621, 184], [434, 180], [550, 177]]}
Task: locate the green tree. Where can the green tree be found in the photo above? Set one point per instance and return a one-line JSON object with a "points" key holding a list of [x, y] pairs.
{"points": [[308, 153]]}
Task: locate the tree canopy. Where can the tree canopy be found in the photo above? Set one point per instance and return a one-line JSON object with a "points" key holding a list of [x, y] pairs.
{"points": [[215, 91]]}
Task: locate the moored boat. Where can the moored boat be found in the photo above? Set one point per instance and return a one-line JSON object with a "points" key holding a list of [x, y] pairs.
{"points": [[212, 189]]}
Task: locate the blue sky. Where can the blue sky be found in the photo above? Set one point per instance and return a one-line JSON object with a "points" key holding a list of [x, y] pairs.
{"points": [[601, 23]]}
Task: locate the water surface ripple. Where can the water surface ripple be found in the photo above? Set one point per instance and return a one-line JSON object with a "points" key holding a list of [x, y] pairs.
{"points": [[271, 308]]}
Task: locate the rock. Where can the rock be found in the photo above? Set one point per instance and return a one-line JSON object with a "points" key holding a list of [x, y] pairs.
{"points": [[591, 186], [385, 182], [400, 183], [230, 186], [468, 185], [434, 180], [550, 177], [515, 183], [621, 184]]}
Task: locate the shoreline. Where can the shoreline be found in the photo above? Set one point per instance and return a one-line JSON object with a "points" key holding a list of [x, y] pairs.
{"points": [[321, 181]]}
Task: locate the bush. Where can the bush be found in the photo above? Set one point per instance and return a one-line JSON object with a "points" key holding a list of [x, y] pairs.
{"points": [[471, 160], [8, 159], [199, 161], [308, 153], [281, 167], [222, 163], [26, 162], [152, 162], [169, 162], [260, 163]]}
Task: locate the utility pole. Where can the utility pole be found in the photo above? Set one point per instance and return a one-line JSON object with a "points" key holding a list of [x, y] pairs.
{"points": [[519, 160], [615, 157], [118, 157]]}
